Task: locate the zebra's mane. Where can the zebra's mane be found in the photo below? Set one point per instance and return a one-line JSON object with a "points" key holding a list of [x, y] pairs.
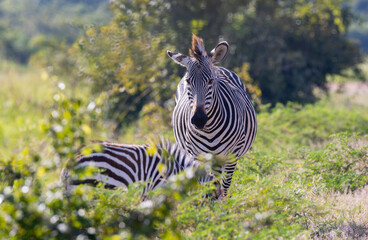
{"points": [[160, 146], [114, 144], [167, 146], [198, 51]]}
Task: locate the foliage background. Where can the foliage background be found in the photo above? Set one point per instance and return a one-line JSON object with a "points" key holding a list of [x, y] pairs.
{"points": [[74, 71]]}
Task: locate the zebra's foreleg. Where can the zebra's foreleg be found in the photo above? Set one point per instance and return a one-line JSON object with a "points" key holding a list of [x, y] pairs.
{"points": [[227, 177]]}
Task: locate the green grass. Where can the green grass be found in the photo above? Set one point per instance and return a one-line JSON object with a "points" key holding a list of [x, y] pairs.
{"points": [[24, 99], [307, 165]]}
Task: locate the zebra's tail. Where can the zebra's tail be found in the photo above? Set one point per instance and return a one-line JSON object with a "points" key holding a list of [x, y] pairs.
{"points": [[66, 181]]}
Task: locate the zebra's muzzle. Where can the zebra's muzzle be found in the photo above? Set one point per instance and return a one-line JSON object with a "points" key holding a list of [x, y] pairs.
{"points": [[199, 118]]}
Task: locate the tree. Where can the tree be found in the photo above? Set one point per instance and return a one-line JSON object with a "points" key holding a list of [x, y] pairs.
{"points": [[126, 60], [290, 47]]}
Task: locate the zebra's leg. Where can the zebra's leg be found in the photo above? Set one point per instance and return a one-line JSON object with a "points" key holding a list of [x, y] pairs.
{"points": [[144, 195], [211, 178], [226, 179], [218, 191], [150, 185]]}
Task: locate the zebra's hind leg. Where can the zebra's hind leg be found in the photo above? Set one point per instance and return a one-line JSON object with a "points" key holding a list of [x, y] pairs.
{"points": [[219, 191], [217, 194]]}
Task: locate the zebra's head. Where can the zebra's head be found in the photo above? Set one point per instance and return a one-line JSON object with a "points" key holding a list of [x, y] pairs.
{"points": [[200, 78]]}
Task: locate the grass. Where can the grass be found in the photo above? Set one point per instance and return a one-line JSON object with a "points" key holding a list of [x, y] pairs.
{"points": [[25, 95], [305, 177], [346, 218]]}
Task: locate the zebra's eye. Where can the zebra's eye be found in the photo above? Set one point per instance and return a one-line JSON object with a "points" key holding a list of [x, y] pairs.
{"points": [[210, 81]]}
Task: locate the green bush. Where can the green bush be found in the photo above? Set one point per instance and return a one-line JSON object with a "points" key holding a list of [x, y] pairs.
{"points": [[342, 163], [294, 125], [35, 205]]}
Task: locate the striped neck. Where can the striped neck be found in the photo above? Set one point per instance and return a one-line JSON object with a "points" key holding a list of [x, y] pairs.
{"points": [[180, 159]]}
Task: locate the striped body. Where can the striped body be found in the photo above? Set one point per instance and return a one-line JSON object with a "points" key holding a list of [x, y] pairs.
{"points": [[213, 112], [123, 164]]}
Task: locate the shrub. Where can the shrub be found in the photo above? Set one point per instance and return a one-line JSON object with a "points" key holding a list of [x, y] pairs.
{"points": [[342, 164]]}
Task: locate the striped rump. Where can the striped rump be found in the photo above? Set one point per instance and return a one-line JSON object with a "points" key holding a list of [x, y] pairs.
{"points": [[123, 164]]}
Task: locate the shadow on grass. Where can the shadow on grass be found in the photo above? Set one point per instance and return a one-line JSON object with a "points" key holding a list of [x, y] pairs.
{"points": [[346, 230]]}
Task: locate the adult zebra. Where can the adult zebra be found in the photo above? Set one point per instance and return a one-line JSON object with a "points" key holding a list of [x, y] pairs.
{"points": [[213, 113], [123, 164]]}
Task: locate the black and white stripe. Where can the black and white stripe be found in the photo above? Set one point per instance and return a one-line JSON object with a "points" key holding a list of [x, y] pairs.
{"points": [[123, 164], [213, 112]]}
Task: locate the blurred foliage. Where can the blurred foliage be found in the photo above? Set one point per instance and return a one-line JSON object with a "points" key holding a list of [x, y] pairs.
{"points": [[70, 122], [309, 125], [357, 73], [252, 89], [292, 45], [24, 22], [359, 29]]}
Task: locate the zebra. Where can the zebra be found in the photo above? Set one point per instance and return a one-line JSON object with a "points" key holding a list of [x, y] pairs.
{"points": [[123, 164], [213, 112]]}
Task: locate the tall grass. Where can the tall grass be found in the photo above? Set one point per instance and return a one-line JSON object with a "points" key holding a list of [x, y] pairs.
{"points": [[25, 95]]}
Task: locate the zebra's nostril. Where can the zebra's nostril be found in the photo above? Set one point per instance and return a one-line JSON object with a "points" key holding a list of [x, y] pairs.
{"points": [[199, 119]]}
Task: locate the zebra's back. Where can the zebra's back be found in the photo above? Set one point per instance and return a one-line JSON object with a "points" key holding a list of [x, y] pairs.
{"points": [[120, 165]]}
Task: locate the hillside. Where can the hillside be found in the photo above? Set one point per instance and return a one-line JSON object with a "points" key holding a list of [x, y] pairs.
{"points": [[27, 26]]}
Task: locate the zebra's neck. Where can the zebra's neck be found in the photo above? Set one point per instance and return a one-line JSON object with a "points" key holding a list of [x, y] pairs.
{"points": [[175, 158]]}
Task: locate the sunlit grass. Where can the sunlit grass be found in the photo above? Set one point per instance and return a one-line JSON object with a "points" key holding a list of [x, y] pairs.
{"points": [[25, 95], [346, 218]]}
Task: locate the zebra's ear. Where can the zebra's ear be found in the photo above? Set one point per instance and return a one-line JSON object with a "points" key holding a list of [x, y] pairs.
{"points": [[219, 52], [179, 58]]}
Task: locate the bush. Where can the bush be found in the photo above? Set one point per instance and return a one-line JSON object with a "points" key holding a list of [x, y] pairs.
{"points": [[342, 164], [35, 205], [294, 125]]}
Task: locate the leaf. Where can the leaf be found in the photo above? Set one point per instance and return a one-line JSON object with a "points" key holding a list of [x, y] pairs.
{"points": [[86, 129]]}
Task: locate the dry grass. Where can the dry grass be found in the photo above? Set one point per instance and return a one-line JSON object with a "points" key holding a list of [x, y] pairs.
{"points": [[349, 92], [346, 216]]}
